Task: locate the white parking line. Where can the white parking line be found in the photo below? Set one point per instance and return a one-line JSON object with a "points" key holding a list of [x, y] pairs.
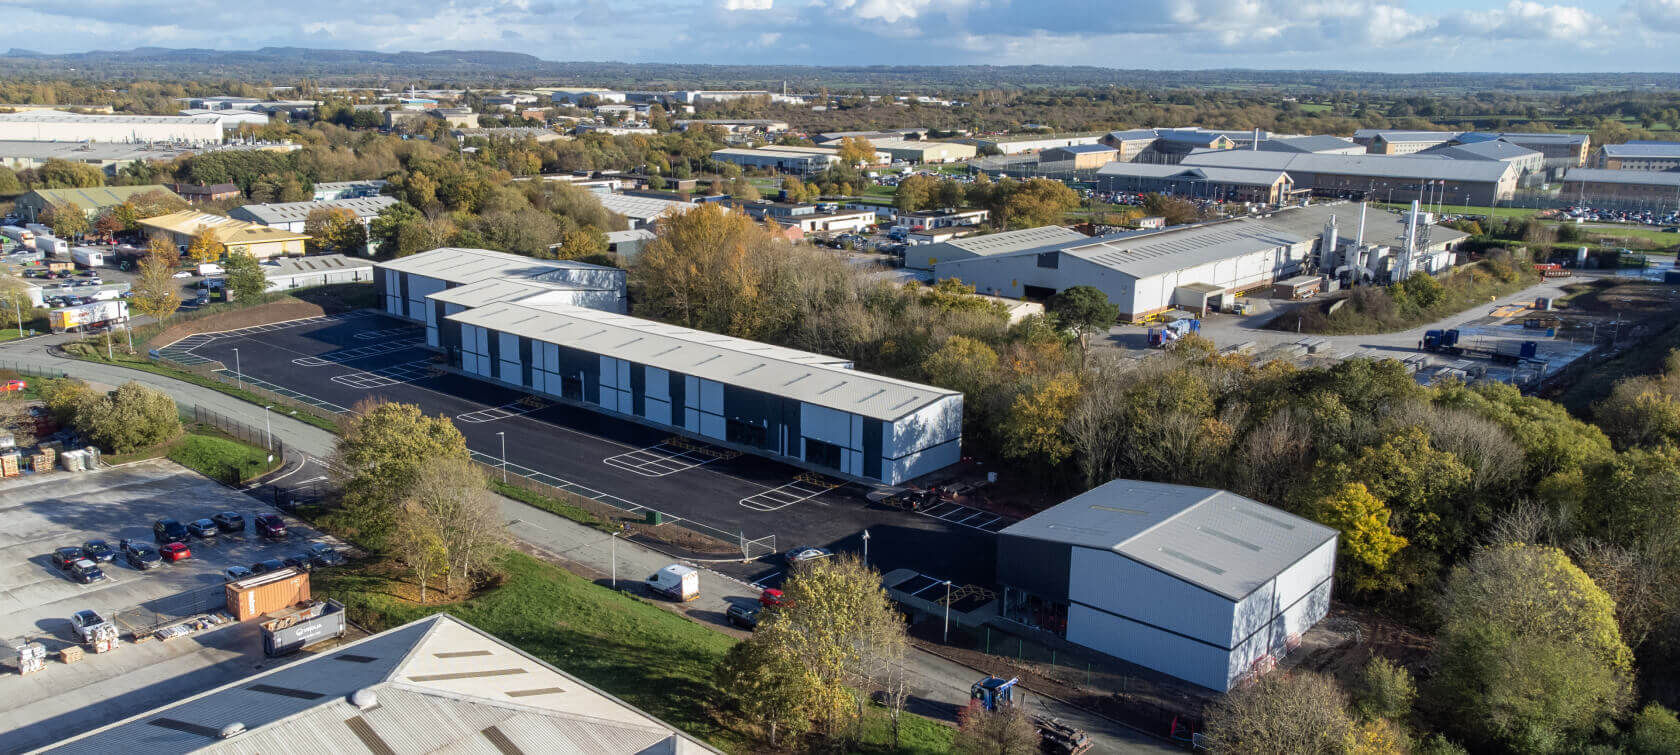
{"points": [[385, 377], [762, 581], [659, 460], [782, 497], [511, 409], [359, 352], [966, 516]]}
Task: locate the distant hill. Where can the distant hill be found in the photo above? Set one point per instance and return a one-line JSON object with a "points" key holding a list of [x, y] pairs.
{"points": [[490, 68]]}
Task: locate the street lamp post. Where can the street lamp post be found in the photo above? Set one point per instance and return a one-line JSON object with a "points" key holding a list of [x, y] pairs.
{"points": [[503, 436], [866, 547], [268, 432], [238, 373], [947, 638], [614, 558]]}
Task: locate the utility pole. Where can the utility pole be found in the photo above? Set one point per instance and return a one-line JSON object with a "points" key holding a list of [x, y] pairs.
{"points": [[614, 558], [238, 373], [947, 637], [866, 547], [268, 433], [503, 436]]}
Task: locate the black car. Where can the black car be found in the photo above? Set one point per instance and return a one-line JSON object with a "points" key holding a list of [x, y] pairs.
{"points": [[235, 573], [169, 531], [141, 555], [264, 567], [64, 557], [86, 571], [744, 615], [299, 561], [271, 526], [324, 555], [203, 529], [99, 551], [229, 521]]}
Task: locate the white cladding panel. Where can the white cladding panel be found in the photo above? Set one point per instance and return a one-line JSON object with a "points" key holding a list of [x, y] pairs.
{"points": [[929, 426], [550, 356], [481, 338], [691, 391], [658, 383], [624, 376], [609, 373], [828, 425], [1147, 646], [511, 373], [1306, 574], [894, 471], [711, 426], [657, 411], [419, 287], [1296, 619], [1119, 585], [691, 419], [711, 397], [509, 346], [1253, 613]]}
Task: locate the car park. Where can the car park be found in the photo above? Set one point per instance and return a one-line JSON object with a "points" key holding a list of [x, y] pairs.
{"points": [[169, 531], [744, 615], [235, 573], [140, 555], [203, 529], [324, 555], [64, 557], [267, 565], [98, 551], [229, 521], [86, 571], [176, 551]]}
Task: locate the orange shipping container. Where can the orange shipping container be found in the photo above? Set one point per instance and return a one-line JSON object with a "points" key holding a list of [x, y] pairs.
{"points": [[255, 596]]}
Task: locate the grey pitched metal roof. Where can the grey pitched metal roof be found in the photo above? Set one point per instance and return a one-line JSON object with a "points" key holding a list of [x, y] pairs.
{"points": [[461, 265], [320, 263], [1375, 166], [805, 376], [1381, 226], [1647, 149], [1142, 255], [292, 212], [1490, 149], [642, 208], [1306, 144], [1634, 177], [1010, 241], [1080, 149], [1519, 138], [1215, 539], [438, 685]]}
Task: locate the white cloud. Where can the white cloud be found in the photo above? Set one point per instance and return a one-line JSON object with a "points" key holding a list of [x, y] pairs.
{"points": [[1521, 19], [748, 4], [1661, 14], [892, 11], [769, 39]]}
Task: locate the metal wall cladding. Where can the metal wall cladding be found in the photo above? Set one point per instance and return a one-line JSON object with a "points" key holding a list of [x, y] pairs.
{"points": [[250, 598]]}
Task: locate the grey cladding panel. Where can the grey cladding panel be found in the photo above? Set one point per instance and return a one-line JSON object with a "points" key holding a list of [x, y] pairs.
{"points": [[1040, 567]]}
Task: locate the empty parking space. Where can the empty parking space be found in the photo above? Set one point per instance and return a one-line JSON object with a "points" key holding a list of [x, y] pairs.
{"points": [[965, 516], [374, 335], [359, 352], [385, 377], [781, 497], [660, 460]]}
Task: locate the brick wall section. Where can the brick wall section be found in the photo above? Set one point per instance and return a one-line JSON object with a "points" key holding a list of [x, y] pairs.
{"points": [[261, 314]]}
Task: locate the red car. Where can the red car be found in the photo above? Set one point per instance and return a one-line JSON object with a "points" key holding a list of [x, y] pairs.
{"points": [[175, 552], [770, 597], [13, 385]]}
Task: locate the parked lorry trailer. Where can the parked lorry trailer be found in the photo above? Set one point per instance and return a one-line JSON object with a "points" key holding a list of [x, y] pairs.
{"points": [[51, 245], [92, 315], [1503, 350], [87, 256], [23, 236]]}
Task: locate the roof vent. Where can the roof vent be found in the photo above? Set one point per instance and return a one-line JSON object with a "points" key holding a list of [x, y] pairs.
{"points": [[364, 698], [231, 730]]}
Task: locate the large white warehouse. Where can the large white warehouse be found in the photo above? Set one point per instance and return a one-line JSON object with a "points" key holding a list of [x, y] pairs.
{"points": [[474, 277], [1144, 272], [1205, 585], [56, 126]]}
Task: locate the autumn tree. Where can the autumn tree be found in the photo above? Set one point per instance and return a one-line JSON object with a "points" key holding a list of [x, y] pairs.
{"points": [[206, 246], [585, 241], [1085, 310], [1033, 429], [856, 150], [961, 364], [10, 186], [69, 220], [416, 541], [1038, 202], [245, 277], [1367, 543], [335, 228], [1654, 731], [129, 418], [380, 453], [452, 496], [766, 687], [836, 623], [1174, 210], [156, 292], [1006, 731], [15, 303], [1384, 689], [1529, 656], [914, 193], [1282, 712]]}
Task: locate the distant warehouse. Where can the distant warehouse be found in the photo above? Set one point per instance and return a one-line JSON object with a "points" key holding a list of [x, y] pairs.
{"points": [[54, 126], [1622, 189], [1145, 272], [530, 324], [1381, 178], [1205, 585]]}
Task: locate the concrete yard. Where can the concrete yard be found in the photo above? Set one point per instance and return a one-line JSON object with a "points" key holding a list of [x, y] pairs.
{"points": [[335, 363], [43, 512]]}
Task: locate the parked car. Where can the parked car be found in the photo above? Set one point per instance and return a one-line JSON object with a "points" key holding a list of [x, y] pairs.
{"points": [[743, 615], [771, 597], [64, 557], [271, 526], [234, 573], [325, 555], [264, 567], [86, 571], [229, 521], [13, 385], [203, 529], [140, 555], [175, 551], [299, 561], [169, 531], [805, 553], [99, 551]]}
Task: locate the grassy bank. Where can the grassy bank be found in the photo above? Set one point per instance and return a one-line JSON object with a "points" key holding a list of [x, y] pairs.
{"points": [[1418, 301], [553, 506], [221, 459], [652, 658], [89, 353]]}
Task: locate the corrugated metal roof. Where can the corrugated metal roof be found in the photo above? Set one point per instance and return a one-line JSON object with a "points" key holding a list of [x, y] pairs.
{"points": [[320, 263], [1522, 138], [1081, 149], [433, 695], [1633, 177], [1651, 149], [492, 290], [54, 116], [461, 265], [1011, 241], [291, 212], [642, 208], [99, 196], [229, 231], [1381, 226], [1375, 166], [1493, 149], [1149, 254], [1216, 539], [1318, 144], [813, 378]]}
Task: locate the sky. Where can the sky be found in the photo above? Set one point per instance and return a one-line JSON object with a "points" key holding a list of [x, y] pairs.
{"points": [[1370, 35]]}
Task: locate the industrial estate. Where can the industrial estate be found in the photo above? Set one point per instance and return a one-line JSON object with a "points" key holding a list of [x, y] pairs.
{"points": [[409, 403]]}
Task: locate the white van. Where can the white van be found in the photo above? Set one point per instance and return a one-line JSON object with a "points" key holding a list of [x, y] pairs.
{"points": [[210, 268], [677, 582]]}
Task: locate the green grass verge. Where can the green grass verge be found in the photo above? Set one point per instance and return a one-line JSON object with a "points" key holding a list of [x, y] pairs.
{"points": [[136, 362], [1458, 209], [221, 459], [1654, 236], [553, 506]]}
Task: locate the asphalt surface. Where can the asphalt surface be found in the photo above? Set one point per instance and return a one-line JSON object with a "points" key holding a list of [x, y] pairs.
{"points": [[338, 363]]}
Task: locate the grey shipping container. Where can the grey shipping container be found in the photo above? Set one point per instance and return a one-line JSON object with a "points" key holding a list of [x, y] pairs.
{"points": [[328, 625]]}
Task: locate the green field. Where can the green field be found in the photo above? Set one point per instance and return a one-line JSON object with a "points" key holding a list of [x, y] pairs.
{"points": [[654, 659], [1643, 233], [221, 459]]}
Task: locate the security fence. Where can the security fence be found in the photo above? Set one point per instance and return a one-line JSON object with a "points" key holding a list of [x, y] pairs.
{"points": [[260, 437]]}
